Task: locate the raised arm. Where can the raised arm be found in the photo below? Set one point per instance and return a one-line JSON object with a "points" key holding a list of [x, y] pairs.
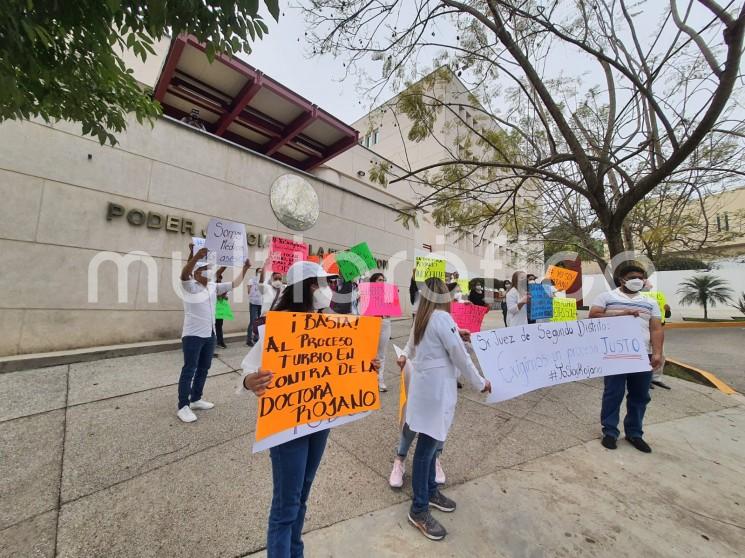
{"points": [[188, 269], [242, 275]]}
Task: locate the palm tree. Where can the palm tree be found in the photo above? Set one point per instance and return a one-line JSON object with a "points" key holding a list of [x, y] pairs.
{"points": [[740, 303], [705, 290]]}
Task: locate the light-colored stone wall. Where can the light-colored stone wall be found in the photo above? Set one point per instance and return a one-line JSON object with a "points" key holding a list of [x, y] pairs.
{"points": [[56, 186]]}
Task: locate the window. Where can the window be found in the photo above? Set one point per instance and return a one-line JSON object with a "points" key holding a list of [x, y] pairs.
{"points": [[723, 222], [375, 136]]}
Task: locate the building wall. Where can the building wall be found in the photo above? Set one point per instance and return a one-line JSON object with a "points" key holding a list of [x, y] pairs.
{"points": [[56, 186]]}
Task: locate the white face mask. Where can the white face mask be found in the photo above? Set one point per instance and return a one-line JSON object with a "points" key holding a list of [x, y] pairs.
{"points": [[322, 298], [634, 285], [277, 284]]}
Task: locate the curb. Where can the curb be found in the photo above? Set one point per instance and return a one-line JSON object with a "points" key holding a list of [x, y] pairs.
{"points": [[72, 356], [703, 325], [708, 376]]}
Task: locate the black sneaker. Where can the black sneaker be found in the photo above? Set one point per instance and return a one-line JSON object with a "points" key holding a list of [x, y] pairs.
{"points": [[639, 444], [428, 525], [442, 502], [223, 345], [609, 442]]}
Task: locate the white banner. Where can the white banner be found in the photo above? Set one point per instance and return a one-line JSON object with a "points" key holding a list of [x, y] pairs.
{"points": [[520, 359], [228, 241]]}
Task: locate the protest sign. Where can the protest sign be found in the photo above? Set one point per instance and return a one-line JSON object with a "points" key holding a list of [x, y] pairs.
{"points": [[285, 252], [429, 267], [322, 365], [198, 243], [563, 278], [228, 241], [402, 391], [304, 429], [659, 297], [468, 316], [356, 261], [541, 303], [565, 310], [379, 299], [520, 359]]}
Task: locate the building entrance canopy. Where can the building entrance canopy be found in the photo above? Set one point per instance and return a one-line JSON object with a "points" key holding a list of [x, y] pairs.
{"points": [[241, 104]]}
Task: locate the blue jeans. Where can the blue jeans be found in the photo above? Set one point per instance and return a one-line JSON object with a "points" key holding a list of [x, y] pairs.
{"points": [[407, 438], [252, 333], [294, 466], [423, 472], [636, 403], [198, 353]]}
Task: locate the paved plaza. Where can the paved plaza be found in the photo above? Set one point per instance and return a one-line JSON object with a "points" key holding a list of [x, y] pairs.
{"points": [[95, 463]]}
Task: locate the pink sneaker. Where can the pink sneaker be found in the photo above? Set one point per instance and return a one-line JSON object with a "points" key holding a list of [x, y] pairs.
{"points": [[439, 473], [396, 479]]}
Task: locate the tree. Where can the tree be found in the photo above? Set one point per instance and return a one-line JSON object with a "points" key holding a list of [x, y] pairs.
{"points": [[58, 60], [740, 303], [705, 290], [645, 100]]}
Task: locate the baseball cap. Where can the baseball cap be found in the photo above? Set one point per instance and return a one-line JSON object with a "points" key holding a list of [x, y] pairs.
{"points": [[300, 271]]}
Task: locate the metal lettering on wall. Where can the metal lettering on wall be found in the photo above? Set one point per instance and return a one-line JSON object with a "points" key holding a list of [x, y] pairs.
{"points": [[174, 223]]}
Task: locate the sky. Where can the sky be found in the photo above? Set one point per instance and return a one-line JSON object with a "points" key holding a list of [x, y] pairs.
{"points": [[282, 56]]}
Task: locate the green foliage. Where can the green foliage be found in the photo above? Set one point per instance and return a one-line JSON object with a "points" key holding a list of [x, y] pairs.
{"points": [[705, 290], [59, 61], [379, 173], [740, 303], [674, 263]]}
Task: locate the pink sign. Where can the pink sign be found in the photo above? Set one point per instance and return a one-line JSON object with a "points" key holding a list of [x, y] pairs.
{"points": [[285, 252], [468, 316], [379, 299]]}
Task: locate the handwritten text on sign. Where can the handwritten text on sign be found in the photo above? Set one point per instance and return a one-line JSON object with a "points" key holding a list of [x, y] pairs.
{"points": [[285, 252], [468, 316], [322, 365], [520, 359], [356, 261], [565, 310], [228, 241], [541, 303], [563, 278], [379, 299], [429, 267]]}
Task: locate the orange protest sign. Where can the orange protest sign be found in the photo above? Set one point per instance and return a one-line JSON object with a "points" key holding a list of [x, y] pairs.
{"points": [[563, 278], [322, 365]]}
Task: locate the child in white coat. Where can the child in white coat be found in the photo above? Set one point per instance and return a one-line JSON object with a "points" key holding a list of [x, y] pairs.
{"points": [[438, 354]]}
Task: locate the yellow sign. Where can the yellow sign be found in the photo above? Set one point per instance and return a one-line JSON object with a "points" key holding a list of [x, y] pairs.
{"points": [[565, 310], [429, 267], [322, 366]]}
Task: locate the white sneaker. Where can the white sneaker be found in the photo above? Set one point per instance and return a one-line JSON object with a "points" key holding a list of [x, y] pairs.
{"points": [[201, 405], [439, 473], [186, 414], [396, 479], [382, 387]]}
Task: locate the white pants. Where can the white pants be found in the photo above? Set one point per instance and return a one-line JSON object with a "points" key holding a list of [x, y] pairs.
{"points": [[385, 336]]}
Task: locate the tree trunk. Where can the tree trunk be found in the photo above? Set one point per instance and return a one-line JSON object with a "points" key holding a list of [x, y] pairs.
{"points": [[706, 311]]}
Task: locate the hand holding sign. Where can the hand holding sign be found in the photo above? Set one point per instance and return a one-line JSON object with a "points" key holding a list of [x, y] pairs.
{"points": [[541, 303]]}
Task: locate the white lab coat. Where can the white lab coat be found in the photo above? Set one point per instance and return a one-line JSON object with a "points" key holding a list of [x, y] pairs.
{"points": [[515, 316], [433, 389]]}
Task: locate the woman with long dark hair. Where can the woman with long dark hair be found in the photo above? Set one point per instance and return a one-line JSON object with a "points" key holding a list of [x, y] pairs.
{"points": [[294, 463], [437, 353]]}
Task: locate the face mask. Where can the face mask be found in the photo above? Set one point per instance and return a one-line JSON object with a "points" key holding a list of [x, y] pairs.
{"points": [[277, 284], [634, 285], [322, 298], [479, 290]]}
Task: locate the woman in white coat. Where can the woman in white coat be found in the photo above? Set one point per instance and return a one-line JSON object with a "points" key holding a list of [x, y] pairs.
{"points": [[517, 299], [437, 353]]}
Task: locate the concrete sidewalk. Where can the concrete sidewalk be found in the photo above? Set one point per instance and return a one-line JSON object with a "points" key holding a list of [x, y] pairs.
{"points": [[94, 463]]}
